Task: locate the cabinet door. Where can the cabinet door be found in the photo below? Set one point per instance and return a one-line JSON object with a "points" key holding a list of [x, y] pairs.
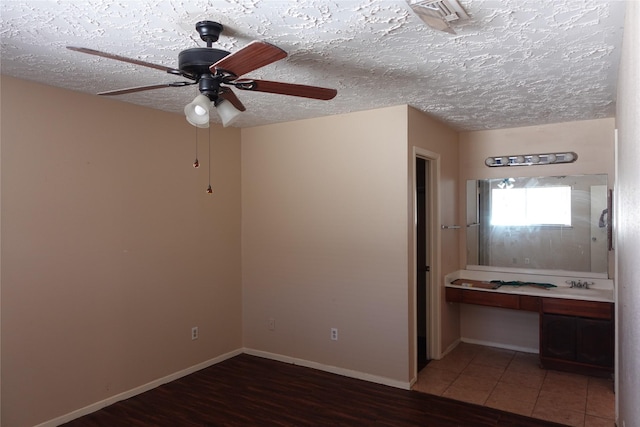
{"points": [[559, 339], [595, 342]]}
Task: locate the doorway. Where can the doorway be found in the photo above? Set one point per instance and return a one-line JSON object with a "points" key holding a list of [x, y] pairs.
{"points": [[426, 327], [422, 260]]}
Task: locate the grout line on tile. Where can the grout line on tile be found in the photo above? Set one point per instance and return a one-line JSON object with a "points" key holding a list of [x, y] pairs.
{"points": [[500, 381]]}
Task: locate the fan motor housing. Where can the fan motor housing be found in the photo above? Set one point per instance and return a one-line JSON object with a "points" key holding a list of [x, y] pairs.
{"points": [[196, 61]]}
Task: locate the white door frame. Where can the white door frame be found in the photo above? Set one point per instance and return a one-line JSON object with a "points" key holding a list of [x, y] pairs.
{"points": [[434, 257]]}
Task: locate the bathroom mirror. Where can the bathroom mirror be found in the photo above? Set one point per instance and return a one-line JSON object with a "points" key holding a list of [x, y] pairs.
{"points": [[541, 223]]}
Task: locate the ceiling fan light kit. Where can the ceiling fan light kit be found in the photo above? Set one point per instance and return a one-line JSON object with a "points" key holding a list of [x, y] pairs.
{"points": [[216, 71], [227, 112], [197, 111]]}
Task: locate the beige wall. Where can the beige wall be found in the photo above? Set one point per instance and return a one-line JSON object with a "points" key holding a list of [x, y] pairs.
{"points": [[627, 220], [324, 240], [592, 140], [438, 139], [328, 237], [111, 249]]}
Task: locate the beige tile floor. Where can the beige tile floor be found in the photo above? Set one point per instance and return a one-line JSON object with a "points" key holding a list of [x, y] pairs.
{"points": [[513, 381]]}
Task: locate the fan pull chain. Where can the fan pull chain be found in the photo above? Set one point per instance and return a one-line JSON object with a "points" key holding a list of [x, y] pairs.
{"points": [[196, 163], [209, 189]]}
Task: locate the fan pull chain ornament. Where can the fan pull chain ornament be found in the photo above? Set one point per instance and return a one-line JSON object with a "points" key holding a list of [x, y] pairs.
{"points": [[196, 163], [209, 189]]}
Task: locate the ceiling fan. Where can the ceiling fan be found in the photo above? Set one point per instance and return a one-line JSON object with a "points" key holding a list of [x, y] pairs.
{"points": [[215, 71]]}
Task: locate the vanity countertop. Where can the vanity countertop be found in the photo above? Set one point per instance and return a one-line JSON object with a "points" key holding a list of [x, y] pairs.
{"points": [[601, 290]]}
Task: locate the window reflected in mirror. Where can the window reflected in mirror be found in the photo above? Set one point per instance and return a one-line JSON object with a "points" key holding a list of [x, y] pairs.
{"points": [[548, 223], [525, 207]]}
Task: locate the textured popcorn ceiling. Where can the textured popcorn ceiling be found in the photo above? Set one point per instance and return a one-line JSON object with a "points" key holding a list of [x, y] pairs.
{"points": [[515, 63]]}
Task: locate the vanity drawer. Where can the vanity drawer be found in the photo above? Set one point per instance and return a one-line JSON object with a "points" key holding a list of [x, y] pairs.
{"points": [[491, 299], [529, 303], [453, 295], [590, 309]]}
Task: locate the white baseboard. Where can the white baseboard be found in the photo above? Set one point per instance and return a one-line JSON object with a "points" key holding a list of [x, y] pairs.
{"points": [[500, 345], [413, 381], [273, 356], [405, 385], [138, 390], [450, 348]]}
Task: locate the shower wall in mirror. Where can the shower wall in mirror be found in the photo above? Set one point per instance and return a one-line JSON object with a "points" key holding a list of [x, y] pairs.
{"points": [[548, 223]]}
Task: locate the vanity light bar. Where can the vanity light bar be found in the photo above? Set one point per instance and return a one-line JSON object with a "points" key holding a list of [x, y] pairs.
{"points": [[531, 159]]}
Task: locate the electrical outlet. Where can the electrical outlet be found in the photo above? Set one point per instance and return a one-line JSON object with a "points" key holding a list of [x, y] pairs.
{"points": [[194, 333], [334, 334], [271, 324]]}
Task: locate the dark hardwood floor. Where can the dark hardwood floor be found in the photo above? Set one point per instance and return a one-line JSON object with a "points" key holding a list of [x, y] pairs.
{"points": [[251, 391]]}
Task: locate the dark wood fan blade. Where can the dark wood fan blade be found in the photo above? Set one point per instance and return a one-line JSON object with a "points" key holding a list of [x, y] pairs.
{"points": [[304, 91], [251, 57], [129, 60], [143, 88], [230, 96]]}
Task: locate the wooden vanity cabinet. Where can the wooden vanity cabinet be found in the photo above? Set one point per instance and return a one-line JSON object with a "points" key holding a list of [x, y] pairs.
{"points": [[529, 303], [595, 345], [453, 294], [577, 335], [559, 338], [493, 299]]}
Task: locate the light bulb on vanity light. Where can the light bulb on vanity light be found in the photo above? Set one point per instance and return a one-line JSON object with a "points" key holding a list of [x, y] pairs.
{"points": [[531, 159]]}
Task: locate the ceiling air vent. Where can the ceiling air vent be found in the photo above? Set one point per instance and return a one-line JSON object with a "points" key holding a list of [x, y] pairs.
{"points": [[439, 14]]}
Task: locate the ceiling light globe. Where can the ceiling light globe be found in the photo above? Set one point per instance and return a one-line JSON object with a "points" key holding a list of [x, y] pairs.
{"points": [[227, 112], [197, 111], [198, 123]]}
